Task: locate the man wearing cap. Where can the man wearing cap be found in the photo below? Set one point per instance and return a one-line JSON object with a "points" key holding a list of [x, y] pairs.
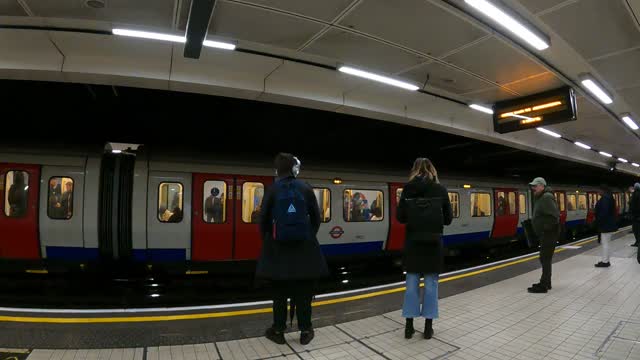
{"points": [[546, 225]]}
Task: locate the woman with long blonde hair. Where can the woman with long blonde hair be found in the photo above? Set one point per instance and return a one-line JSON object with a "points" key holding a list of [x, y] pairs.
{"points": [[425, 208]]}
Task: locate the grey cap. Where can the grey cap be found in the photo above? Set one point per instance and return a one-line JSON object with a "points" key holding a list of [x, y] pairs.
{"points": [[538, 181]]}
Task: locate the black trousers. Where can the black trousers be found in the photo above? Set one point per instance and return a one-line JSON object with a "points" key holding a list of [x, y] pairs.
{"points": [[547, 249], [301, 293], [636, 230]]}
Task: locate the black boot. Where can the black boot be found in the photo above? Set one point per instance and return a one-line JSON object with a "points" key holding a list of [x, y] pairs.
{"points": [[306, 336], [408, 329], [275, 335], [428, 328]]}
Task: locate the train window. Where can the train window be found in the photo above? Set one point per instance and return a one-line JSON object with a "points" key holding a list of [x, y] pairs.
{"points": [[363, 205], [252, 194], [323, 196], [214, 202], [522, 201], [170, 202], [16, 193], [480, 204], [501, 204], [60, 198], [560, 200], [571, 202], [582, 202], [454, 199], [512, 203], [398, 195]]}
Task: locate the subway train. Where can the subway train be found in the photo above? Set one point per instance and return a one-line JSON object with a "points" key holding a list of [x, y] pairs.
{"points": [[72, 208]]}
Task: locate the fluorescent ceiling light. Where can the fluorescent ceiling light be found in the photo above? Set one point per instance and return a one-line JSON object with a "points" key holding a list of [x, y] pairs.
{"points": [[605, 154], [636, 165], [623, 160], [219, 45], [149, 35], [378, 78], [630, 123], [509, 23], [115, 151], [484, 109], [584, 146], [596, 90], [549, 132]]}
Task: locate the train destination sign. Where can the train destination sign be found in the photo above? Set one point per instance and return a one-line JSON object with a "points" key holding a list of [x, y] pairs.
{"points": [[547, 108]]}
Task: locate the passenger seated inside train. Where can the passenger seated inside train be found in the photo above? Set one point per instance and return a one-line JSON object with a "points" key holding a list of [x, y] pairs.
{"points": [[176, 215], [17, 196], [376, 214], [255, 215]]}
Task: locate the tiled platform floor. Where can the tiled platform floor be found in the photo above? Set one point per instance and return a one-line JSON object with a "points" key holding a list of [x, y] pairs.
{"points": [[590, 314]]}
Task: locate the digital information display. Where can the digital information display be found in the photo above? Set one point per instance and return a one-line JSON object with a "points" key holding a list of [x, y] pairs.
{"points": [[547, 108]]}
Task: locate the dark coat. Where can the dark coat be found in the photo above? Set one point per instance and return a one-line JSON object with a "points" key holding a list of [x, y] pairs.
{"points": [[546, 215], [634, 205], [67, 204], [278, 261], [17, 198], [606, 214], [422, 257]]}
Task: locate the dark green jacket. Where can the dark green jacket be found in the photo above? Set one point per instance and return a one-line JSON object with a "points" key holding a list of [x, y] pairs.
{"points": [[546, 215]]}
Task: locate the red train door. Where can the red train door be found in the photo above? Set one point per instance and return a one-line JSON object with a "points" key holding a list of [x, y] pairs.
{"points": [[505, 223], [398, 230], [247, 199], [19, 213], [213, 215], [561, 200]]}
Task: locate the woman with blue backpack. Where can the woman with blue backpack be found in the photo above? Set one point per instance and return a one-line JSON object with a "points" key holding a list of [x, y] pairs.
{"points": [[425, 208], [291, 257]]}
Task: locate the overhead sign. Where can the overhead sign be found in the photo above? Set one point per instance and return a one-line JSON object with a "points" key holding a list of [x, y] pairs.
{"points": [[547, 108]]}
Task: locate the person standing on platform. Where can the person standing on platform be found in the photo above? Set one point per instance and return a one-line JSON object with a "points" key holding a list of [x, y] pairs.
{"points": [[606, 222], [546, 225], [424, 206], [634, 206], [291, 257]]}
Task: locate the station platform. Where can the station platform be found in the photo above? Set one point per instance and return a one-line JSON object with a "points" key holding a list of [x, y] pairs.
{"points": [[486, 313]]}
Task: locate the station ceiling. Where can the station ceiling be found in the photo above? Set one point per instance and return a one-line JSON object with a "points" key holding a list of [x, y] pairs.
{"points": [[443, 46]]}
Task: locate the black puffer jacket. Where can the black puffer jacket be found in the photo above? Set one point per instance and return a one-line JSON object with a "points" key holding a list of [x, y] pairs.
{"points": [[423, 257], [290, 261]]}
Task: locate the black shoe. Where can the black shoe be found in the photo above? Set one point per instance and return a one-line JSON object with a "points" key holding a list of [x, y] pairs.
{"points": [[548, 287], [428, 329], [306, 336], [275, 336], [635, 245], [537, 289], [408, 329], [603, 264]]}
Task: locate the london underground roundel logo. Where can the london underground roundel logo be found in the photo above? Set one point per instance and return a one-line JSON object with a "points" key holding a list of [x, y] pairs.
{"points": [[336, 232]]}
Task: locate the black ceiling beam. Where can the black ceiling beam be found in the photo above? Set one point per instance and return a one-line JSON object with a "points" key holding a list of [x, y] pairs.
{"points": [[197, 25]]}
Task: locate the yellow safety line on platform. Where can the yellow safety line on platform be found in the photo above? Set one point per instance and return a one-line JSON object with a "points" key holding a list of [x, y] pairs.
{"points": [[96, 320]]}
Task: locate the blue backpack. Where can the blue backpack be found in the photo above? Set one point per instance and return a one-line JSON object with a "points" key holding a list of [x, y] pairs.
{"points": [[291, 223]]}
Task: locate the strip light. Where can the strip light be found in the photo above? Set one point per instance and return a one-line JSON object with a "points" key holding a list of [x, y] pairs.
{"points": [[605, 154], [483, 109], [630, 123], [378, 78], [549, 132], [149, 35], [597, 91], [623, 160], [509, 23], [636, 165], [584, 146], [219, 45]]}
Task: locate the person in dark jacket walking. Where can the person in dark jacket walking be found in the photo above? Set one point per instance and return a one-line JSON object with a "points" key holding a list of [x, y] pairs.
{"points": [[546, 225], [293, 267], [424, 206], [634, 206], [606, 222]]}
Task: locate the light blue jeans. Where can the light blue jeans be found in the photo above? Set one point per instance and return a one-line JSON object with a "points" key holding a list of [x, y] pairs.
{"points": [[411, 306]]}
